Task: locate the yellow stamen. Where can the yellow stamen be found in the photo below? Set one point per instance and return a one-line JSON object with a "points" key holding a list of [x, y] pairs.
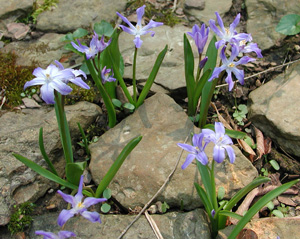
{"points": [[231, 64]]}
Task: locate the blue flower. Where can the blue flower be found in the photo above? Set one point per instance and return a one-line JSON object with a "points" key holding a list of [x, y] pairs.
{"points": [[200, 36], [196, 151], [61, 234], [222, 142], [52, 78], [230, 66], [106, 76], [139, 30], [79, 206], [227, 35]]}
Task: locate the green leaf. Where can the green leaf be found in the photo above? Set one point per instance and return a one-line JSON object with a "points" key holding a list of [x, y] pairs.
{"points": [[205, 177], [43, 152], [258, 205], [248, 140], [289, 24], [221, 193], [68, 37], [270, 205], [117, 103], [189, 74], [152, 76], [204, 198], [44, 172], [84, 138], [103, 28], [274, 164], [230, 214], [80, 32], [165, 207], [243, 108], [278, 213], [116, 165], [105, 208], [129, 106], [74, 171], [107, 193], [209, 87]]}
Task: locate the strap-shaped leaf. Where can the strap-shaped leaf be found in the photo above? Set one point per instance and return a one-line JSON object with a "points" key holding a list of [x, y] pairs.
{"points": [[189, 75], [152, 76], [74, 171], [231, 133], [44, 172], [43, 152], [116, 166], [209, 87], [203, 196], [258, 205], [230, 214]]}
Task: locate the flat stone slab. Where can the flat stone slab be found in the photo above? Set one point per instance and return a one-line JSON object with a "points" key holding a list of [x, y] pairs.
{"points": [[20, 135], [163, 124], [273, 108], [173, 225]]}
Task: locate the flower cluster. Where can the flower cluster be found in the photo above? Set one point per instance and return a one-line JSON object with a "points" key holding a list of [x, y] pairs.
{"points": [[230, 41], [218, 137], [139, 30], [79, 206], [56, 78], [239, 43]]}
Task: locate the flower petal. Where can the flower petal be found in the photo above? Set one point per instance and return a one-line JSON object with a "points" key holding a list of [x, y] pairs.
{"points": [[234, 24], [188, 148], [128, 30], [230, 153], [140, 13], [126, 21], [68, 198], [35, 81], [91, 216], [138, 42], [188, 160], [66, 234], [219, 129], [64, 216], [152, 24], [78, 81], [202, 157], [47, 235], [219, 154], [239, 74], [79, 195], [47, 94], [61, 87], [89, 201], [229, 81]]}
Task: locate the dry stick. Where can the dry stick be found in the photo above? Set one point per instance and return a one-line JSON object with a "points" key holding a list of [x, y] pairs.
{"points": [[155, 195], [153, 226], [262, 72], [174, 5]]}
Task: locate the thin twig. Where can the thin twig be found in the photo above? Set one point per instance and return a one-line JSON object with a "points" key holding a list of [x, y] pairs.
{"points": [[174, 5], [153, 226], [262, 72], [155, 195]]}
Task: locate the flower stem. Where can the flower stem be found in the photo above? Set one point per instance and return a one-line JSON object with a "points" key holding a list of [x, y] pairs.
{"points": [[214, 201], [63, 127], [198, 69], [133, 76]]}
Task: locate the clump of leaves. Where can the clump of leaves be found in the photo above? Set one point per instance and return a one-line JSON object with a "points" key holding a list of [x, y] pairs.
{"points": [[13, 78], [166, 16], [240, 114], [80, 94], [47, 5], [21, 218]]}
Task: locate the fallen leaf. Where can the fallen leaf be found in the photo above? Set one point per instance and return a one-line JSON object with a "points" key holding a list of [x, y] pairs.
{"points": [[246, 147], [247, 234], [260, 146], [268, 145]]}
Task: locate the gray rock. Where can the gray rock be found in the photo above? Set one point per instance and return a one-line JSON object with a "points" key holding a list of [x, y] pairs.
{"points": [[20, 135], [41, 52], [17, 31], [210, 7], [273, 109], [263, 28], [67, 17], [172, 225], [171, 73], [163, 124], [13, 7], [196, 4]]}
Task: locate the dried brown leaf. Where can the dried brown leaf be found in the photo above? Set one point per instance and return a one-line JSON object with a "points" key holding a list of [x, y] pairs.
{"points": [[220, 117], [260, 146], [268, 145], [246, 147]]}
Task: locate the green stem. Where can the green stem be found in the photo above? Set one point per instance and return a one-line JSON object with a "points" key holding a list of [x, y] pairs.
{"points": [[198, 69], [133, 76], [214, 201], [61, 119]]}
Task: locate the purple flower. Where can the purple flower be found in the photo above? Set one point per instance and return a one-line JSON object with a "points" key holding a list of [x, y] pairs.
{"points": [[139, 30], [79, 206], [51, 78], [227, 35], [196, 151], [60, 235], [75, 79], [200, 36], [245, 47], [230, 66], [222, 142], [213, 213], [106, 76], [95, 47]]}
